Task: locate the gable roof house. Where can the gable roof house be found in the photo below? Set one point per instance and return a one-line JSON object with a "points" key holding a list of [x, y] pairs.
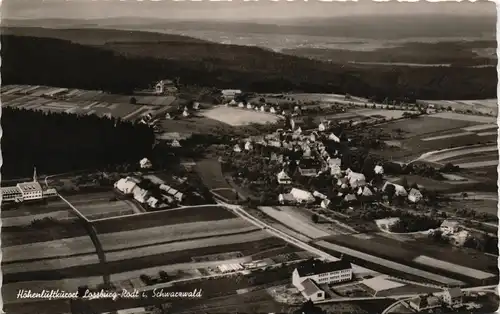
{"points": [[453, 297], [334, 138], [145, 163], [450, 226], [237, 148], [283, 177], [248, 146], [308, 167], [365, 192], [400, 190], [423, 303], [350, 198], [378, 169], [311, 291], [320, 195], [415, 196], [325, 203]]}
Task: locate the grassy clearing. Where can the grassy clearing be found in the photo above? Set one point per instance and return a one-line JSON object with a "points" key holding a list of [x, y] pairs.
{"points": [[425, 125], [240, 116]]}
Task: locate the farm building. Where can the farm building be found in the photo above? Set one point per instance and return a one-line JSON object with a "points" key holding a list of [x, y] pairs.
{"points": [[237, 148], [301, 196], [164, 86], [415, 196], [321, 272], [311, 291], [321, 127], [424, 303], [453, 297], [145, 163], [379, 284], [172, 192], [228, 268], [230, 93], [152, 202], [248, 146], [140, 195], [365, 192], [320, 195], [286, 198], [283, 178], [350, 198]]}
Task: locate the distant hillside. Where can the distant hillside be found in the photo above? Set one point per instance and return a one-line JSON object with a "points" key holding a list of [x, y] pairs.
{"points": [[122, 67], [87, 36]]}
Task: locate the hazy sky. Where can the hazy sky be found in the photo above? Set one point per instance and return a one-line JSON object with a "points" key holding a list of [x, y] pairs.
{"points": [[224, 9]]}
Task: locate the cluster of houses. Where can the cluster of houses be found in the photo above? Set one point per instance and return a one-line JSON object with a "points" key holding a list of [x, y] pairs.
{"points": [[314, 160], [262, 107], [27, 192], [131, 186], [452, 298]]}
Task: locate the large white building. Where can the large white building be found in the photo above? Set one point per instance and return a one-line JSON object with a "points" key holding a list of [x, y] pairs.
{"points": [[321, 273], [26, 191]]}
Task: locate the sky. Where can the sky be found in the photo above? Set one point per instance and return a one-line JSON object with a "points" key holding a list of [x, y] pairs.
{"points": [[230, 10]]}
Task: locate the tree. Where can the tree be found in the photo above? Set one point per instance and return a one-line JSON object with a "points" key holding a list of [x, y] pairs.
{"points": [[404, 183], [315, 218], [390, 190], [133, 101], [164, 276], [308, 307]]}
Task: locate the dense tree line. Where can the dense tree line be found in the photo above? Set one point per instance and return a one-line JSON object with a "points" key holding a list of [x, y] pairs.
{"points": [[60, 142], [122, 68]]}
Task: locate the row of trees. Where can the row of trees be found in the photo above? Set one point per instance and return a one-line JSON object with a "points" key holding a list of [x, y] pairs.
{"points": [[60, 142]]}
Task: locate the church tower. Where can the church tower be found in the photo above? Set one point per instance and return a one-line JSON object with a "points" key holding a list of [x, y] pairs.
{"points": [[35, 179]]}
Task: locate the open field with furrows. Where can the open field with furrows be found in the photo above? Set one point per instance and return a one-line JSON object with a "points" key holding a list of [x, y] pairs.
{"points": [[294, 221], [126, 240], [85, 102], [388, 114], [406, 251], [167, 217], [240, 116], [465, 157], [486, 106], [86, 260], [56, 204], [173, 259]]}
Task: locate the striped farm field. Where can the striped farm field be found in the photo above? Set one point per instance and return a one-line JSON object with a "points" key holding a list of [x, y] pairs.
{"points": [[141, 258], [125, 240]]}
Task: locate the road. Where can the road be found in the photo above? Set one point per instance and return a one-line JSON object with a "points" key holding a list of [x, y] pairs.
{"points": [[277, 233]]}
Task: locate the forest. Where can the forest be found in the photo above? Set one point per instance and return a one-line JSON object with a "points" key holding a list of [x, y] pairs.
{"points": [[60, 142], [123, 67]]}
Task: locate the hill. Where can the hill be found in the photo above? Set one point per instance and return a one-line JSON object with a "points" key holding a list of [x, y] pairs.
{"points": [[121, 66]]}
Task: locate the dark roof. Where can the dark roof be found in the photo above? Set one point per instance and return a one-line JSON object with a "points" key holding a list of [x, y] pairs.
{"points": [[310, 287], [309, 268], [455, 292]]}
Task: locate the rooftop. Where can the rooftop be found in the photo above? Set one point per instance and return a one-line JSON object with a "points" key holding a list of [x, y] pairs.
{"points": [[29, 186], [315, 267], [310, 288], [380, 283]]}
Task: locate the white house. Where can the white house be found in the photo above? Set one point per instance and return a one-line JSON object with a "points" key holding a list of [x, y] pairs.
{"points": [[167, 116], [321, 272], [325, 203], [140, 195], [349, 198], [378, 169], [311, 291], [145, 163], [237, 148], [262, 108], [172, 192], [126, 185], [399, 189], [453, 297], [320, 195], [272, 110], [365, 191], [152, 202], [185, 113], [415, 196], [302, 196], [334, 138], [355, 179], [233, 102], [248, 146], [196, 106], [175, 143], [283, 177], [249, 106], [450, 226], [321, 127]]}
